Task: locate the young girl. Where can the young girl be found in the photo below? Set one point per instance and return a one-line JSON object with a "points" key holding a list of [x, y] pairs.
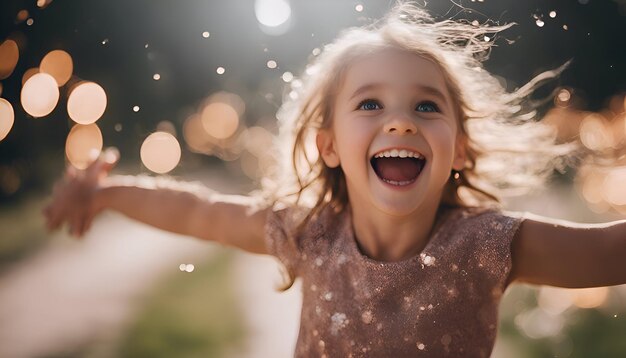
{"points": [[385, 205]]}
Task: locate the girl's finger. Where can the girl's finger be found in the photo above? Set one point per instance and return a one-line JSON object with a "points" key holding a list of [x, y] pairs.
{"points": [[103, 165], [80, 227], [84, 224], [48, 214], [53, 216], [71, 172], [73, 225]]}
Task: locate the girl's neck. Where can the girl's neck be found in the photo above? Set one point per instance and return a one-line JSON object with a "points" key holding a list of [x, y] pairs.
{"points": [[391, 238]]}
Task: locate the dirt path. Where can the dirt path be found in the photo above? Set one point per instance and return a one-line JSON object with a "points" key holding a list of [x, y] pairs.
{"points": [[75, 293]]}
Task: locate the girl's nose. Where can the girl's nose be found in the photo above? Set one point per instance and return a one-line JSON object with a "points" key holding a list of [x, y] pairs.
{"points": [[401, 125]]}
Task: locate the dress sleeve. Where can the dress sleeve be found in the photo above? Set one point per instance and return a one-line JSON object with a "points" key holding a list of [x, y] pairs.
{"points": [[281, 240], [497, 230]]}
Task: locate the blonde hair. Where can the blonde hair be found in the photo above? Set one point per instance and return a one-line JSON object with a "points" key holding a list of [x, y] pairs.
{"points": [[508, 150]]}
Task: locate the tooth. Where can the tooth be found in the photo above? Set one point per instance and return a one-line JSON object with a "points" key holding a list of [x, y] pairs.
{"points": [[387, 154], [394, 152], [403, 153]]}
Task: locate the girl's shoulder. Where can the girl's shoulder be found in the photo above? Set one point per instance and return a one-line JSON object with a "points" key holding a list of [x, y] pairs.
{"points": [[485, 221], [485, 212]]}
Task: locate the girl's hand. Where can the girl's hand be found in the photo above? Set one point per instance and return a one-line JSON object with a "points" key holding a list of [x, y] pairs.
{"points": [[73, 197]]}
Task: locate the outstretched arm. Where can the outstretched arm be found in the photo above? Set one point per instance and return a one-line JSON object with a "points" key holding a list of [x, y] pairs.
{"points": [[183, 208], [565, 254]]}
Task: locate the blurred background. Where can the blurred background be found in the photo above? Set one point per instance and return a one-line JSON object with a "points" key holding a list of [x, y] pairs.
{"points": [[190, 90]]}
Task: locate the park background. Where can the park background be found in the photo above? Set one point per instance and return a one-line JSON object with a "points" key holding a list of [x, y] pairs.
{"points": [[211, 75]]}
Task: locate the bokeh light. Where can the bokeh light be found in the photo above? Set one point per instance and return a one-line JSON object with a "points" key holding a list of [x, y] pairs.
{"points": [[10, 180], [87, 103], [287, 76], [257, 158], [197, 139], [220, 116], [220, 70], [166, 126], [186, 267], [21, 16], [554, 300], [206, 34], [9, 55], [82, 143], [272, 13], [7, 117], [562, 98], [43, 3], [160, 152], [271, 64], [592, 187], [29, 73], [220, 120], [594, 134], [537, 323], [156, 77], [40, 94], [590, 297], [58, 63], [614, 186]]}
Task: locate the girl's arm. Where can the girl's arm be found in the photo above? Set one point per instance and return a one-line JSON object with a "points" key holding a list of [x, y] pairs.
{"points": [[182, 208], [229, 220], [564, 254]]}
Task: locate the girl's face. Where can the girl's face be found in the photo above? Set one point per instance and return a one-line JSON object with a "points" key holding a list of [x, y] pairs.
{"points": [[394, 133]]}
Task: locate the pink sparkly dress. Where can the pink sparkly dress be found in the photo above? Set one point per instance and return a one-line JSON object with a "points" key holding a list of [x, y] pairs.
{"points": [[442, 302]]}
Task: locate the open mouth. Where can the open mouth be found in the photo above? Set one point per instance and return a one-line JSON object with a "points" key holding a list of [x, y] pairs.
{"points": [[398, 167]]}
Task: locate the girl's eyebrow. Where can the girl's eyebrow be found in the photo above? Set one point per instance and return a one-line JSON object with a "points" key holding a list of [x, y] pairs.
{"points": [[420, 88], [432, 91], [365, 88]]}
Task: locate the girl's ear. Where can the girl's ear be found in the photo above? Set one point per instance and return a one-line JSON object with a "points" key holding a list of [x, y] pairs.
{"points": [[460, 152], [326, 148]]}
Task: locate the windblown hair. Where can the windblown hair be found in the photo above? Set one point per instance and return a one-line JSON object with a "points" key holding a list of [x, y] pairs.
{"points": [[508, 149]]}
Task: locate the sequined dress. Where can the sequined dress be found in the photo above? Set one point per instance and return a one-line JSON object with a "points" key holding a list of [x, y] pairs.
{"points": [[441, 302]]}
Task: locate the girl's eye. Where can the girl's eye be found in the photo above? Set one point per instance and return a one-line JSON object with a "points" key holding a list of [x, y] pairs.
{"points": [[427, 107], [369, 105]]}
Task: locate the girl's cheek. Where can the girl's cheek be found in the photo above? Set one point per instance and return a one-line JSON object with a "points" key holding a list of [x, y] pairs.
{"points": [[442, 140]]}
